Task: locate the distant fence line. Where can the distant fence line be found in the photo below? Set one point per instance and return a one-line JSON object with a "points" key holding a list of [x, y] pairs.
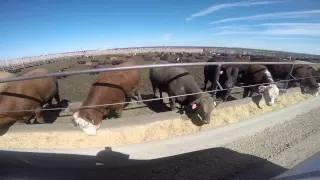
{"points": [[98, 70], [21, 62]]}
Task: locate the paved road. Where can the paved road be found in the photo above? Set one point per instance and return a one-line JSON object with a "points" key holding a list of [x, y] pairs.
{"points": [[262, 156]]}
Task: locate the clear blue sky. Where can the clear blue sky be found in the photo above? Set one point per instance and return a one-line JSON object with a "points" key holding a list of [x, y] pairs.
{"points": [[35, 27]]}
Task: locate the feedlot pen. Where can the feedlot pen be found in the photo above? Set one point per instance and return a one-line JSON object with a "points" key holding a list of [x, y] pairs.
{"points": [[75, 88]]}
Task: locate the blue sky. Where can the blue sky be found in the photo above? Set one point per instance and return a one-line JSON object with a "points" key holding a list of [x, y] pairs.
{"points": [[35, 27]]}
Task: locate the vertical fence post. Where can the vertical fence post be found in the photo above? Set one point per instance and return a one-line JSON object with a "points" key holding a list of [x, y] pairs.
{"points": [[216, 79], [288, 77]]}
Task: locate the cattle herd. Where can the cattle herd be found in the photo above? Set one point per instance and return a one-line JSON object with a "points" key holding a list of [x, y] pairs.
{"points": [[111, 89]]}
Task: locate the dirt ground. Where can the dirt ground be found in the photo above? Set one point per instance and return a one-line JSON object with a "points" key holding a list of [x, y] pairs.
{"points": [[75, 88]]}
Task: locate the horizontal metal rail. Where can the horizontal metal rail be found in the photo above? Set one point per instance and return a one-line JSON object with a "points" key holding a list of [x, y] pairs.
{"points": [[70, 73], [153, 99]]}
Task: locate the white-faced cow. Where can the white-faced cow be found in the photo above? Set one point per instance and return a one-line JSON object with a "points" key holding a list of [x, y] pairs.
{"points": [[109, 88], [259, 74], [301, 73]]}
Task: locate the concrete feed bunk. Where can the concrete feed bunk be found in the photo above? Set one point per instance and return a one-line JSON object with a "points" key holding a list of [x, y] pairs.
{"points": [[142, 129]]}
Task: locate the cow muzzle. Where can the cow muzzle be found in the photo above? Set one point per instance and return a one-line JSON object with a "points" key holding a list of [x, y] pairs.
{"points": [[89, 128], [270, 103], [228, 85], [205, 120]]}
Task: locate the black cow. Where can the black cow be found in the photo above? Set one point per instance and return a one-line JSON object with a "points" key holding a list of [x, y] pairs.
{"points": [[314, 73], [228, 75], [177, 81], [301, 73]]}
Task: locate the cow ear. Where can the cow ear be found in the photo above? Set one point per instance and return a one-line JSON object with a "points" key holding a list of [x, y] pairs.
{"points": [[262, 88], [194, 106]]}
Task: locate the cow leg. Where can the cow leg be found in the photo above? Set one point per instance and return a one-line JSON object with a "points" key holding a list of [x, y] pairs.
{"points": [[50, 102], [139, 96], [213, 87], [119, 109], [39, 117], [172, 104], [205, 84], [57, 98], [154, 88], [246, 92], [160, 94], [227, 95]]}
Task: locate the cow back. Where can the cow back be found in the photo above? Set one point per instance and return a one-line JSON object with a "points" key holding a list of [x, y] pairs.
{"points": [[44, 88], [112, 87], [255, 74]]}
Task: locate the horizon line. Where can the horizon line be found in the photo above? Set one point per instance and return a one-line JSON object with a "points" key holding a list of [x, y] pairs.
{"points": [[133, 47]]}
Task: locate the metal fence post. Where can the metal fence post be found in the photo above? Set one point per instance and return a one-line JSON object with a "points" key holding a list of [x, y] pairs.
{"points": [[288, 77], [216, 79]]}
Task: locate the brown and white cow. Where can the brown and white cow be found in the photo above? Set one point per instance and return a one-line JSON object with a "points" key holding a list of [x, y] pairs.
{"points": [[27, 95], [110, 87]]}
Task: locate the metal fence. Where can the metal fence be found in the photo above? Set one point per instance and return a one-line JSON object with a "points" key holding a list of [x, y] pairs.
{"points": [[215, 84]]}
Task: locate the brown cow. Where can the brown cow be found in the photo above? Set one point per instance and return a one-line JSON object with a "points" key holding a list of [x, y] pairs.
{"points": [[27, 95], [4, 75], [110, 87]]}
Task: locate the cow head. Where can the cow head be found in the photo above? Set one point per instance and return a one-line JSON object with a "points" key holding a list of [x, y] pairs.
{"points": [[313, 91], [269, 93], [231, 75], [88, 127], [203, 107], [308, 83]]}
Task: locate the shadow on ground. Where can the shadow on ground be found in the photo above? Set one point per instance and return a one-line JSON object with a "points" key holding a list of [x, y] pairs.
{"points": [[215, 163], [52, 115], [156, 106]]}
